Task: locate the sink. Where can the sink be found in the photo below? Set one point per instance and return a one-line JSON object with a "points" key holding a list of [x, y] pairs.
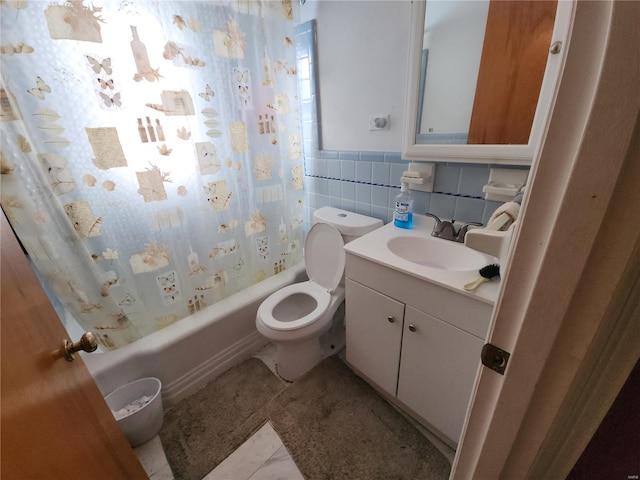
{"points": [[438, 253], [416, 253]]}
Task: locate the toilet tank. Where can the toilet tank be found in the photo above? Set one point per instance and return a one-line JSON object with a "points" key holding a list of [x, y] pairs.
{"points": [[350, 225]]}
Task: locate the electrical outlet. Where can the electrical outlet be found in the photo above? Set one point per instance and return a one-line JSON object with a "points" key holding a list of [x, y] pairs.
{"points": [[379, 121]]}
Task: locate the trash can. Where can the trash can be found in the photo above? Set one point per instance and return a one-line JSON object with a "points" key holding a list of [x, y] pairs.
{"points": [[137, 407]]}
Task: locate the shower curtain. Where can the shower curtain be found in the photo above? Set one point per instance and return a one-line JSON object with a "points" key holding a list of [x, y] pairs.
{"points": [[151, 153]]}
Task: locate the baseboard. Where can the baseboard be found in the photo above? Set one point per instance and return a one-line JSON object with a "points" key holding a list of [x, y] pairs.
{"points": [[199, 376]]}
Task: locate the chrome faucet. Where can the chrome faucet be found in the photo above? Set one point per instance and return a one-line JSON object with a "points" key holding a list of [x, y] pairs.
{"points": [[443, 228], [446, 230], [464, 229]]}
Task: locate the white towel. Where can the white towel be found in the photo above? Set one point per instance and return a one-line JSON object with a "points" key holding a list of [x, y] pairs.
{"points": [[511, 209]]}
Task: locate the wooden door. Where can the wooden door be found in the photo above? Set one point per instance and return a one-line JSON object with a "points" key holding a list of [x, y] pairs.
{"points": [[55, 422], [514, 58]]}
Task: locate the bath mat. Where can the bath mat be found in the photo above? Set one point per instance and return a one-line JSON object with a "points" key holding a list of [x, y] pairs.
{"points": [[203, 429], [337, 427]]}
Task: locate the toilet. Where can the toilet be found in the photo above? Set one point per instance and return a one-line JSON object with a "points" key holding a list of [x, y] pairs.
{"points": [[296, 316]]}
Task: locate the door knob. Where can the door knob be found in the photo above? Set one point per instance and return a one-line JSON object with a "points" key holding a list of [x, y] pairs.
{"points": [[391, 319], [412, 328], [88, 343]]}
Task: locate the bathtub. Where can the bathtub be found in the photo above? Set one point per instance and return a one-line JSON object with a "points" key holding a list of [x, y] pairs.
{"points": [[188, 354]]}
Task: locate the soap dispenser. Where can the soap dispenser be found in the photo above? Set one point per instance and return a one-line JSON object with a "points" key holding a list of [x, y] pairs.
{"points": [[403, 213]]}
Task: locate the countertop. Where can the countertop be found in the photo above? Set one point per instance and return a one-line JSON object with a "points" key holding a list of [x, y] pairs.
{"points": [[373, 247]]}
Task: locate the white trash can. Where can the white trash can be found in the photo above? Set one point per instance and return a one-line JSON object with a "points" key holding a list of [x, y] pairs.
{"points": [[137, 407]]}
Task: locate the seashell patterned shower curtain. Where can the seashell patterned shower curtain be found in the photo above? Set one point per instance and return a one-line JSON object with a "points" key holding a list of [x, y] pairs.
{"points": [[151, 153]]}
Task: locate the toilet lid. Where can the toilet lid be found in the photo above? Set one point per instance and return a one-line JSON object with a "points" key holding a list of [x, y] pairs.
{"points": [[324, 255]]}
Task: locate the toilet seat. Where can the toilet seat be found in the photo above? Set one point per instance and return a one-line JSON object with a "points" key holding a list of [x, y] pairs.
{"points": [[320, 294], [325, 268]]}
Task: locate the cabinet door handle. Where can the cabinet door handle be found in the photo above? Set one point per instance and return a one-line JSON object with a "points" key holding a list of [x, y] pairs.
{"points": [[412, 328], [391, 318]]}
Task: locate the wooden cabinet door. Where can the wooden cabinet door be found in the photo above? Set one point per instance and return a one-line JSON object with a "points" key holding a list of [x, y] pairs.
{"points": [[437, 371], [55, 423], [374, 333]]}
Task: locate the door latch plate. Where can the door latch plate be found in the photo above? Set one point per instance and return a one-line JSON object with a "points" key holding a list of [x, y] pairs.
{"points": [[494, 358]]}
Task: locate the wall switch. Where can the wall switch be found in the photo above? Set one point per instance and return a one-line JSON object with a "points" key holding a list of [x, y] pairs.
{"points": [[379, 121]]}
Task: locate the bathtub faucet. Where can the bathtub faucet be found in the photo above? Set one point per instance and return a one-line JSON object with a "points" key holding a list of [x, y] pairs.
{"points": [[446, 229]]}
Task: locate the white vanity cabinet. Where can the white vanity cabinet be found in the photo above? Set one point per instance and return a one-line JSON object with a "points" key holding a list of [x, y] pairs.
{"points": [[437, 370], [374, 334], [418, 342]]}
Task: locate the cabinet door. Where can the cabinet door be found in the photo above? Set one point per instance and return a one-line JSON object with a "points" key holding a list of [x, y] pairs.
{"points": [[437, 371], [374, 332]]}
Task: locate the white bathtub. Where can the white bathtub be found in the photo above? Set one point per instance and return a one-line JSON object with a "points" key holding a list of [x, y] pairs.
{"points": [[188, 354]]}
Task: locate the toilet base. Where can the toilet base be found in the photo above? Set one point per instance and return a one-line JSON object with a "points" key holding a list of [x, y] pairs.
{"points": [[297, 358], [294, 359], [334, 339]]}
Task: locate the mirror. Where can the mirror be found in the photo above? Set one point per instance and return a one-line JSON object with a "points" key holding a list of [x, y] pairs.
{"points": [[481, 79]]}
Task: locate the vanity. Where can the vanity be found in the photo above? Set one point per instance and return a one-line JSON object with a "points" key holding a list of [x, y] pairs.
{"points": [[412, 331]]}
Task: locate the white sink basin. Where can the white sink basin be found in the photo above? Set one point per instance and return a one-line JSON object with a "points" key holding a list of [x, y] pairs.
{"points": [[437, 253], [415, 252]]}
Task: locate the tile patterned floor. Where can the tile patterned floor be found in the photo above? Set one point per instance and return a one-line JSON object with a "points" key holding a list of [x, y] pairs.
{"points": [[152, 458], [261, 457]]}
